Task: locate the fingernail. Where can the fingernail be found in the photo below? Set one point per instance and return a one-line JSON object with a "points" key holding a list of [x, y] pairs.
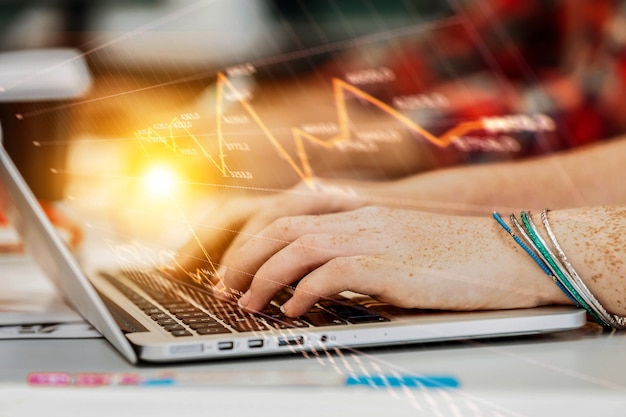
{"points": [[285, 307], [244, 300]]}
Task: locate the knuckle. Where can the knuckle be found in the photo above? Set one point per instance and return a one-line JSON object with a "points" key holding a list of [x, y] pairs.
{"points": [[313, 287], [311, 245], [306, 287], [340, 266], [371, 211], [309, 241], [282, 224]]}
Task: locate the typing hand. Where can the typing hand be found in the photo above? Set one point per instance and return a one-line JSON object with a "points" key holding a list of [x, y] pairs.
{"points": [[405, 258], [235, 220]]}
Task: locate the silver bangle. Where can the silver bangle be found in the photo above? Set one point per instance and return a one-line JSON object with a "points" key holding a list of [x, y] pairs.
{"points": [[613, 320]]}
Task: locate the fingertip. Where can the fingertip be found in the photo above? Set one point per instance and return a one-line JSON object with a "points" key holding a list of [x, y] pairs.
{"points": [[244, 300], [250, 303], [285, 307], [292, 308]]}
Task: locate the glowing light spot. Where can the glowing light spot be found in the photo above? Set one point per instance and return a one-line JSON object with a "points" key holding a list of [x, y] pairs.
{"points": [[36, 143], [19, 116], [160, 182]]}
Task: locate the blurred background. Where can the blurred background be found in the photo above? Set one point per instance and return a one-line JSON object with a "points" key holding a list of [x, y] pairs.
{"points": [[289, 77], [152, 61]]}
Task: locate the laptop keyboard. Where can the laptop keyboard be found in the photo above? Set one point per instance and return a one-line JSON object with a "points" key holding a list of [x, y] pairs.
{"points": [[182, 318]]}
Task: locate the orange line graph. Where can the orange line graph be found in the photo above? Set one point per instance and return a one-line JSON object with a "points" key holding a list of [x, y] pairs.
{"points": [[301, 165], [165, 261]]}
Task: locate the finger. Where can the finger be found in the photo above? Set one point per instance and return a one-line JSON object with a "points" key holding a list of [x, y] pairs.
{"points": [[243, 264], [333, 277], [252, 228], [210, 237], [297, 202], [297, 260], [370, 275]]}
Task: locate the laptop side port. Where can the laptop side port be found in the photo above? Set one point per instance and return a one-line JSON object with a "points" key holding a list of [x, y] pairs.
{"points": [[255, 343], [225, 345], [291, 341]]}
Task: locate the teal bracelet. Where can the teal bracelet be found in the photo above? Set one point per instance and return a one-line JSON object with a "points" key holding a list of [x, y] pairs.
{"points": [[558, 269], [541, 256], [558, 266], [611, 320], [516, 238], [533, 253]]}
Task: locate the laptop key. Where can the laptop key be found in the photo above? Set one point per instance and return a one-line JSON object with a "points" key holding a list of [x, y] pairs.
{"points": [[323, 318], [354, 314], [166, 322], [247, 326], [176, 304], [212, 330], [198, 313], [189, 309], [173, 327], [143, 304], [179, 333], [196, 326], [192, 320], [288, 323]]}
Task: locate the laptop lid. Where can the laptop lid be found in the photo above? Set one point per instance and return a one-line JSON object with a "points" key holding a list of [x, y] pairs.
{"points": [[53, 255]]}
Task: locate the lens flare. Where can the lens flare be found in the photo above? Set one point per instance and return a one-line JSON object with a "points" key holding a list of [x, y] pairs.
{"points": [[159, 182]]}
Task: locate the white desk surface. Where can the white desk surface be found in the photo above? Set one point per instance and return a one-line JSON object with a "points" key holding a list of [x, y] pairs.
{"points": [[577, 373]]}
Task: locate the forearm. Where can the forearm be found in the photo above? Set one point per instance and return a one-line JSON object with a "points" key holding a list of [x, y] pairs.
{"points": [[585, 177]]}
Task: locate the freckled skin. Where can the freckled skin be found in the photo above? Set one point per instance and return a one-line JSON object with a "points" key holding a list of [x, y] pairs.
{"points": [[376, 241], [428, 267], [594, 241]]}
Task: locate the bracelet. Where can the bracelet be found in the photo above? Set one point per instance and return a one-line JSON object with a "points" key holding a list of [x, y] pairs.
{"points": [[533, 253], [522, 244], [611, 320], [540, 255], [557, 266]]}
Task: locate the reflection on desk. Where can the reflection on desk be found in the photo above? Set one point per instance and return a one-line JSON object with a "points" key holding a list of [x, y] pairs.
{"points": [[525, 376]]}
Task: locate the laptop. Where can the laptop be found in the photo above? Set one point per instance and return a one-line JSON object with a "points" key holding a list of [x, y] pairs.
{"points": [[150, 315]]}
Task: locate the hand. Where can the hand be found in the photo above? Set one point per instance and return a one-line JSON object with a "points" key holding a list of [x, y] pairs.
{"points": [[405, 258], [226, 229]]}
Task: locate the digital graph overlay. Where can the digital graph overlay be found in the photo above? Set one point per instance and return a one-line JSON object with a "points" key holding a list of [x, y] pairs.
{"points": [[166, 261], [165, 133]]}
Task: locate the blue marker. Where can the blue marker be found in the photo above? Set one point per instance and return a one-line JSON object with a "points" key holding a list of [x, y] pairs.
{"points": [[408, 381]]}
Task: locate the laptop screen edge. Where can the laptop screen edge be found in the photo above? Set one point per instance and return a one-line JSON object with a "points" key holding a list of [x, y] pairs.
{"points": [[53, 256]]}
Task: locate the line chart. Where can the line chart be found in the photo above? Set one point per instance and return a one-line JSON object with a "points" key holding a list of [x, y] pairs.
{"points": [[300, 164], [164, 261]]}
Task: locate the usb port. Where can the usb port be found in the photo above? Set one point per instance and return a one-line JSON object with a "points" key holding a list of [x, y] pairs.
{"points": [[255, 343], [225, 345], [290, 341]]}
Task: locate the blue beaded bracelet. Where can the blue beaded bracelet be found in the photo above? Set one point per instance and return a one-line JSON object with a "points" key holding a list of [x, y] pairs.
{"points": [[557, 268], [533, 253]]}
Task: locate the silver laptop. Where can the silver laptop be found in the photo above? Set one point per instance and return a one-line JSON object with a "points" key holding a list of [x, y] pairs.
{"points": [[151, 315]]}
